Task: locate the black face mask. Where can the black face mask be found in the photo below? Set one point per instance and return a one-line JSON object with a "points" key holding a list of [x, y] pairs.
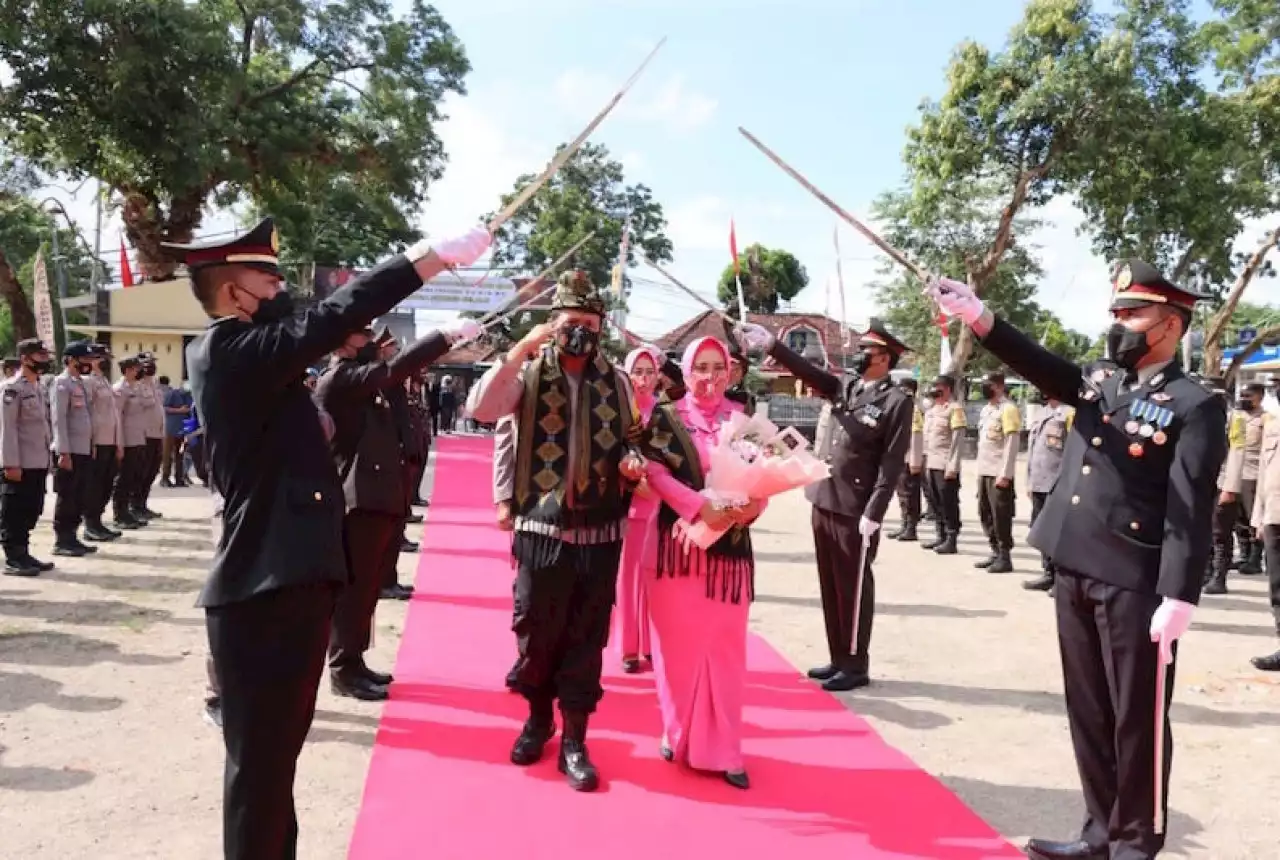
{"points": [[860, 363], [579, 341], [278, 307], [41, 366], [1126, 347], [85, 368], [1246, 404], [367, 353], [149, 370], [988, 391]]}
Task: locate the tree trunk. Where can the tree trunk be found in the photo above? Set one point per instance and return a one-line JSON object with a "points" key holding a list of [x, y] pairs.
{"points": [[1238, 360], [1218, 324], [24, 319], [146, 227]]}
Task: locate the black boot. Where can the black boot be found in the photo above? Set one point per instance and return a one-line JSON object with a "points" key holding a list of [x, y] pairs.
{"points": [[1043, 582], [940, 539], [1002, 563], [538, 729], [65, 544], [351, 683], [1269, 663], [1044, 849], [574, 763], [16, 563], [948, 546], [1217, 583], [989, 560], [95, 530], [1252, 565], [908, 533]]}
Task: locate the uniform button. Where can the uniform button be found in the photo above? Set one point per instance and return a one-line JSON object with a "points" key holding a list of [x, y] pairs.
{"points": [[1135, 525], [377, 467], [1086, 470], [1075, 500], [1097, 441], [318, 497]]}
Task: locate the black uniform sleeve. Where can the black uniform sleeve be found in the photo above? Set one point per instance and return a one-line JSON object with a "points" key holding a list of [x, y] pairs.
{"points": [[1193, 492], [894, 459], [365, 379], [1051, 373], [280, 353], [827, 385]]}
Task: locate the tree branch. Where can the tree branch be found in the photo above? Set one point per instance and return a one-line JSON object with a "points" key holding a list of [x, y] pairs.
{"points": [[246, 41], [1238, 360], [287, 84], [1184, 263], [1218, 324]]}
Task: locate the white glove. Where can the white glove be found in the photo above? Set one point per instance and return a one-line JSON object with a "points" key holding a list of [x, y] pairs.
{"points": [[867, 527], [463, 329], [754, 337], [465, 249], [956, 299], [1170, 620]]}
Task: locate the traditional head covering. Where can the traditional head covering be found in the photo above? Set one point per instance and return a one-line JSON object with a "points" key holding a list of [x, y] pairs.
{"points": [[655, 355], [574, 291], [258, 249], [691, 352], [1136, 283]]}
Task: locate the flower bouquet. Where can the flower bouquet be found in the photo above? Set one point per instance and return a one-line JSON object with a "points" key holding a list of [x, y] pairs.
{"points": [[753, 459]]}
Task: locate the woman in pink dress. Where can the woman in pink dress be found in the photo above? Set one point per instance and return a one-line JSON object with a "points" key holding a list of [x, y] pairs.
{"points": [[698, 600], [631, 616]]}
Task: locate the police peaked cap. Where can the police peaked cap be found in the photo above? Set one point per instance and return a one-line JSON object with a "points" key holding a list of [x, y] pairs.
{"points": [[995, 377], [31, 346], [877, 335], [258, 249], [77, 349], [1136, 283]]}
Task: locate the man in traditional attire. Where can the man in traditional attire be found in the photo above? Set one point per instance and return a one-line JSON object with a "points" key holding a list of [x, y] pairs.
{"points": [[575, 423]]}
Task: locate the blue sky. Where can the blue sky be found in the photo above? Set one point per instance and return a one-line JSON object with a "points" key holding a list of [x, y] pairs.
{"points": [[831, 85]]}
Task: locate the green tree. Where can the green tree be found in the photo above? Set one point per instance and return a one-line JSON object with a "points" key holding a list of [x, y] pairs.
{"points": [[1017, 122], [1063, 341], [176, 104], [588, 193], [942, 238], [768, 276]]}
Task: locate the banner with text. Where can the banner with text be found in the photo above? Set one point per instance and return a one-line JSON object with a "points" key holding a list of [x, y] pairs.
{"points": [[450, 294], [43, 304]]}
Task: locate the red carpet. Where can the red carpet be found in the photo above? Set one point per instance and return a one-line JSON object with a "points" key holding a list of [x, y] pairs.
{"points": [[824, 785]]}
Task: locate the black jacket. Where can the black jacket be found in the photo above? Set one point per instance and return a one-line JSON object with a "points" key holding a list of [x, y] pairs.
{"points": [[266, 450], [1126, 510]]}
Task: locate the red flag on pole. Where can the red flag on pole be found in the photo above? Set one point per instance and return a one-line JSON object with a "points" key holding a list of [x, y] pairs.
{"points": [[126, 274], [733, 247]]}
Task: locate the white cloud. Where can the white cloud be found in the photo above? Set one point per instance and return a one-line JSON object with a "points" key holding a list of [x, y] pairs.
{"points": [[671, 104]]}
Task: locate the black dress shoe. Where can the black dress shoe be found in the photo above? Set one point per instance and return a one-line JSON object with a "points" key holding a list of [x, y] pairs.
{"points": [[407, 545], [39, 565], [631, 665], [353, 686], [413, 519], [823, 673], [666, 752], [152, 515], [99, 533], [738, 779], [529, 745], [1043, 849], [128, 523], [1044, 582], [20, 567], [575, 765], [1269, 663], [213, 713], [69, 550], [382, 679], [987, 562], [842, 682]]}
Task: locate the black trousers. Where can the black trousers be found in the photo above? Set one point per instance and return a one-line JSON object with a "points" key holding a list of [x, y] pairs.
{"points": [[21, 503], [1109, 673], [268, 653], [214, 691], [126, 493], [845, 595], [562, 625], [366, 536], [946, 499], [1271, 542], [1037, 505], [909, 496], [996, 511], [1225, 517], [74, 487], [1244, 512], [102, 473], [150, 471]]}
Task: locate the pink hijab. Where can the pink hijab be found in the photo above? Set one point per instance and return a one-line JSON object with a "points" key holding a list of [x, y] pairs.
{"points": [[644, 401], [707, 407]]}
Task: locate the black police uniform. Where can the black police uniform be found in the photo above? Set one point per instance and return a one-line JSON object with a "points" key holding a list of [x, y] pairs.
{"points": [[271, 590], [1128, 523], [873, 432], [366, 448]]}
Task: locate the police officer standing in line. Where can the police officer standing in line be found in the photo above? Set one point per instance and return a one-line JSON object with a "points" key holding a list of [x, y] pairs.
{"points": [[998, 428], [24, 455], [1046, 443], [944, 428], [1129, 528], [871, 425], [153, 403], [10, 366], [410, 450], [72, 450], [1244, 447], [912, 477], [125, 500], [1234, 492], [277, 569], [107, 448], [1265, 518]]}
